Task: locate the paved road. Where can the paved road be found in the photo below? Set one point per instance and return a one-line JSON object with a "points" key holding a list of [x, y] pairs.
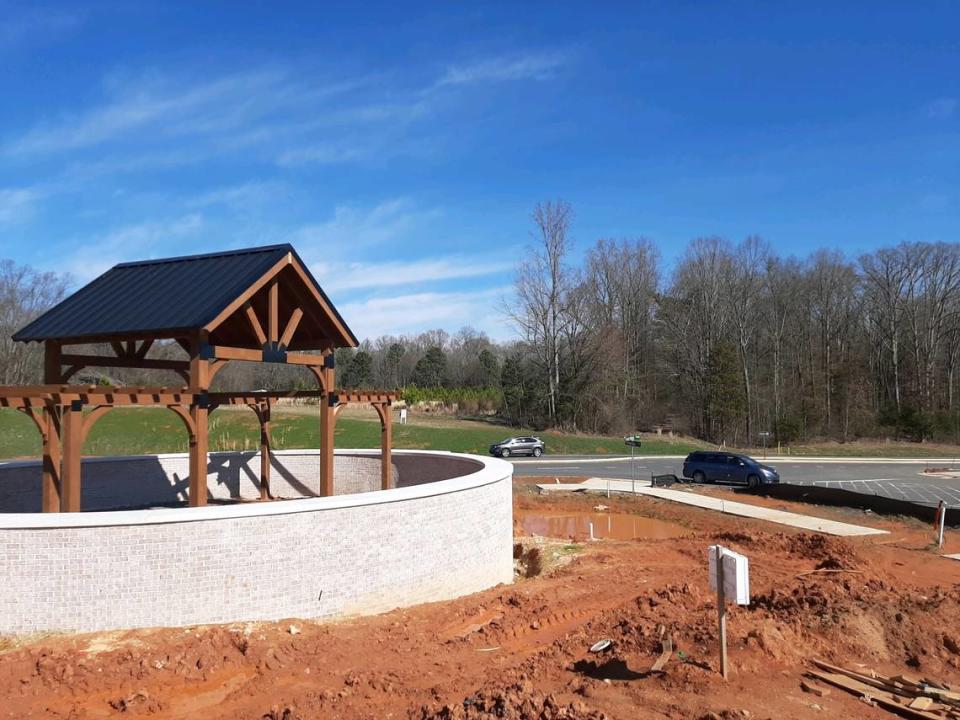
{"points": [[899, 479]]}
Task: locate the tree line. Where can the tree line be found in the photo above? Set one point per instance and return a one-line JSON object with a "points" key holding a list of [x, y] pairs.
{"points": [[733, 342]]}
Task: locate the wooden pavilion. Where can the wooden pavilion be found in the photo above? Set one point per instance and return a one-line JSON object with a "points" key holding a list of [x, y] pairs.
{"points": [[259, 304]]}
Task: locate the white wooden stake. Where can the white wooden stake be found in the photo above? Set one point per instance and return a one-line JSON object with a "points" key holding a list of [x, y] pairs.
{"points": [[721, 613]]}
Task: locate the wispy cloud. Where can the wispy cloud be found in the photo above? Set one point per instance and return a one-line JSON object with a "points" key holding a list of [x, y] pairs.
{"points": [[417, 311], [129, 242], [16, 204], [168, 107], [352, 276], [532, 66], [351, 227], [942, 108]]}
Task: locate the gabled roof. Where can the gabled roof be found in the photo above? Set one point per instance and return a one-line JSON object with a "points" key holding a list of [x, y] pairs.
{"points": [[173, 296]]}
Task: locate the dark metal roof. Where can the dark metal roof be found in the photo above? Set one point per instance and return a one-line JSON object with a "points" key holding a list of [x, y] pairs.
{"points": [[160, 296]]}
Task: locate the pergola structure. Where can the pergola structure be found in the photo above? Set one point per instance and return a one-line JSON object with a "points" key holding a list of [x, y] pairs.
{"points": [[259, 304]]}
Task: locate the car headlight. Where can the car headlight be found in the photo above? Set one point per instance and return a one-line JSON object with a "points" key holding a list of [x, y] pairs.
{"points": [[769, 473]]}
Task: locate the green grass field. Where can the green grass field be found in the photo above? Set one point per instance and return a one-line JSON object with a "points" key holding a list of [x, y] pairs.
{"points": [[136, 431]]}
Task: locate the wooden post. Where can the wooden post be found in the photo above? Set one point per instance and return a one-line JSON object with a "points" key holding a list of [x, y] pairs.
{"points": [[199, 383], [72, 429], [327, 422], [52, 499], [721, 613], [52, 374], [265, 450], [386, 442]]}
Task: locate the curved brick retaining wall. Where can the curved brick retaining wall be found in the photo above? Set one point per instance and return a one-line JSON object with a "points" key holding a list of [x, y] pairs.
{"points": [[428, 539]]}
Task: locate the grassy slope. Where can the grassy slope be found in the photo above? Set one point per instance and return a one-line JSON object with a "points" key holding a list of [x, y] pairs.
{"points": [[136, 431]]}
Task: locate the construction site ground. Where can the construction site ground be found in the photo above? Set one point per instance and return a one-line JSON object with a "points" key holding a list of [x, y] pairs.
{"points": [[886, 603]]}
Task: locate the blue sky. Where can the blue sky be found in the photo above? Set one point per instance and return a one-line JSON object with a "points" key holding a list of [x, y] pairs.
{"points": [[401, 147]]}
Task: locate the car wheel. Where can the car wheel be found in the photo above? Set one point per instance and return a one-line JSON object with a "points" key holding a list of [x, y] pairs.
{"points": [[504, 453], [537, 452], [753, 482], [699, 477]]}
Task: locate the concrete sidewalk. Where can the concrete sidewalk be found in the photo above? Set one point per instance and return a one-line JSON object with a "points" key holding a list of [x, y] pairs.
{"points": [[730, 507]]}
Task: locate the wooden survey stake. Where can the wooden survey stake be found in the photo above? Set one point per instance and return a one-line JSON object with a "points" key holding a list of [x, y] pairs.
{"points": [[730, 578]]}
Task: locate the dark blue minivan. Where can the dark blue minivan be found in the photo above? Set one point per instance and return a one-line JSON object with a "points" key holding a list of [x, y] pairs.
{"points": [[706, 466]]}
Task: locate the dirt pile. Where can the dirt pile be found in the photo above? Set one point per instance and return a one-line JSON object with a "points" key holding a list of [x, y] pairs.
{"points": [[516, 702], [523, 651]]}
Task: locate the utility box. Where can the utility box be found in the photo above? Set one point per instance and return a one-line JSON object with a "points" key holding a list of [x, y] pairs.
{"points": [[736, 574]]}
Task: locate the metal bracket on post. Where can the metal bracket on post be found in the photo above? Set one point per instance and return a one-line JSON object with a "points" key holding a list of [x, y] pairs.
{"points": [[205, 351], [333, 399], [330, 362], [274, 353]]}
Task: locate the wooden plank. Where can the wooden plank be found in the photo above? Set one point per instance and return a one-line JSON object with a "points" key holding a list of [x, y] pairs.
{"points": [[124, 362], [50, 490], [291, 327], [72, 428], [255, 323], [273, 312], [666, 652], [883, 698]]}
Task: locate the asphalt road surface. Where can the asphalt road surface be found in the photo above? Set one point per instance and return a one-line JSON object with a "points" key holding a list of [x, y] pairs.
{"points": [[897, 479]]}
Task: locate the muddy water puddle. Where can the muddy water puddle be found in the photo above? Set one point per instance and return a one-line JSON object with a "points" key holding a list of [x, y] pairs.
{"points": [[613, 526]]}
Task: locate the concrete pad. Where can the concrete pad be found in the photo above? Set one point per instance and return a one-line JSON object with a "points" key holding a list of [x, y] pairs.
{"points": [[781, 517]]}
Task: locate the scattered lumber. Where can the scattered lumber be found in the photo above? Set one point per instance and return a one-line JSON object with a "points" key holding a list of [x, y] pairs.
{"points": [[904, 695]]}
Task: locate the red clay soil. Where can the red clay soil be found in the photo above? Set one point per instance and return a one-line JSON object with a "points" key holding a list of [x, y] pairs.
{"points": [[521, 651]]}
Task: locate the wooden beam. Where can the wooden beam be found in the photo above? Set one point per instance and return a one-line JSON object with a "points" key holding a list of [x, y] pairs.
{"points": [[226, 352], [118, 348], [255, 323], [50, 490], [273, 312], [72, 427], [124, 362], [386, 446], [327, 425], [330, 312], [144, 349], [263, 415], [291, 327], [248, 293], [199, 382]]}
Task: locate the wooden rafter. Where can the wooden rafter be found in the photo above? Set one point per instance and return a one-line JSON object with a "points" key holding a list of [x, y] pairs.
{"points": [[255, 323], [291, 327]]}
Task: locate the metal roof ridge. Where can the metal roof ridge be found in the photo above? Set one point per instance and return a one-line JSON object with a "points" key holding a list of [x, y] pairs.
{"points": [[204, 256]]}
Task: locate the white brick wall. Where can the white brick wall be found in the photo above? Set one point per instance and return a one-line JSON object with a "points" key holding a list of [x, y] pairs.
{"points": [[310, 558]]}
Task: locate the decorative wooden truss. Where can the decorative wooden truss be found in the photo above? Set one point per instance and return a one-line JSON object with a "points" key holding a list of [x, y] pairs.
{"points": [[282, 316]]}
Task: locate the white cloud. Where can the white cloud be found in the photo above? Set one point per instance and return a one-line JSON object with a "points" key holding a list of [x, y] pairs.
{"points": [[352, 276], [130, 242], [168, 109], [534, 66], [352, 227], [942, 108], [16, 204], [423, 311]]}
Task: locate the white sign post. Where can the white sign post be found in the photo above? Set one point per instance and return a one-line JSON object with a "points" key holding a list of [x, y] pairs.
{"points": [[730, 579]]}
